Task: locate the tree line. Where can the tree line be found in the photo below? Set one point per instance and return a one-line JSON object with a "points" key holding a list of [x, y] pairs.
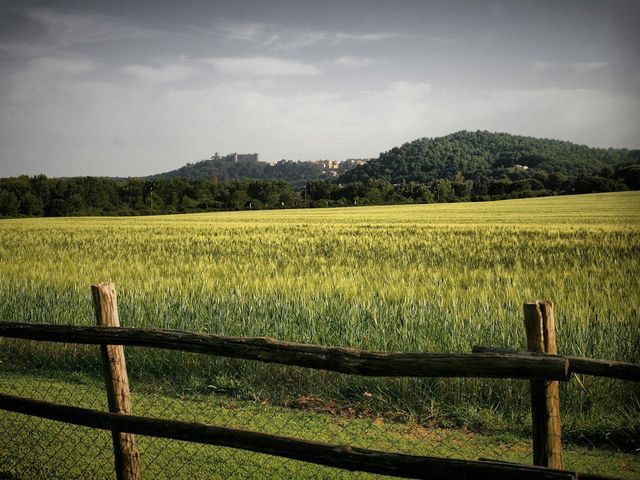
{"points": [[52, 197]]}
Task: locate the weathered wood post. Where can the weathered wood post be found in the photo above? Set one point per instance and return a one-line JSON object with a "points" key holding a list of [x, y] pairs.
{"points": [[127, 458], [545, 399]]}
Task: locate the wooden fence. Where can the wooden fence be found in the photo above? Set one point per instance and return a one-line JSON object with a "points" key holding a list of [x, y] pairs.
{"points": [[542, 366]]}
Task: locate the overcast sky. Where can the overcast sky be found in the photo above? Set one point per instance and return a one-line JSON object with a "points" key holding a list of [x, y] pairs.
{"points": [[133, 88]]}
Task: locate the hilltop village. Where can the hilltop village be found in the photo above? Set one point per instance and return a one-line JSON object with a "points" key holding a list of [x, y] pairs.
{"points": [[329, 168]]}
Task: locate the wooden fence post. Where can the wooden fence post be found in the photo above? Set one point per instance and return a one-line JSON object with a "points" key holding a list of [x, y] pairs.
{"points": [[127, 458], [545, 399]]}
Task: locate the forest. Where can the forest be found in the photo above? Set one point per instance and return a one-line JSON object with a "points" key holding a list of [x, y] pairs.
{"points": [[41, 196]]}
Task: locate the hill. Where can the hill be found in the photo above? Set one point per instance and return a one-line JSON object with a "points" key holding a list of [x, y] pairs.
{"points": [[295, 173], [483, 157]]}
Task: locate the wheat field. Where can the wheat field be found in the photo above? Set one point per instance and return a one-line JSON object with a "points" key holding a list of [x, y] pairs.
{"points": [[436, 278]]}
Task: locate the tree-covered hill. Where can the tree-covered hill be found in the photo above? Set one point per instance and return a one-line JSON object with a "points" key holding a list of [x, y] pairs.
{"points": [[484, 157], [297, 174]]}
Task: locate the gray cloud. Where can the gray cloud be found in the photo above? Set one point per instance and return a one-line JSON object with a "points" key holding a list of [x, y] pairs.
{"points": [[160, 75], [261, 66], [279, 37], [354, 61], [70, 29], [584, 67]]}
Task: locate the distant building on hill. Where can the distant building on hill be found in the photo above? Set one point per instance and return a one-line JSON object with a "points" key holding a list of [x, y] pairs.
{"points": [[336, 167], [238, 157], [354, 162], [244, 157]]}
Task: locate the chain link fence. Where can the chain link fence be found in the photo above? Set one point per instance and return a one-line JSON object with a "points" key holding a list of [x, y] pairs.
{"points": [[374, 413]]}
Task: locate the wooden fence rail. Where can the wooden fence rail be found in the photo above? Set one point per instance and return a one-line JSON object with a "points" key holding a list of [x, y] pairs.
{"points": [[328, 358], [343, 360], [585, 366], [314, 356]]}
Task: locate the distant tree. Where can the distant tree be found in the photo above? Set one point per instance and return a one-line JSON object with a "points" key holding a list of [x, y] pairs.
{"points": [[239, 199], [442, 190], [631, 176], [8, 203], [30, 205], [318, 189]]}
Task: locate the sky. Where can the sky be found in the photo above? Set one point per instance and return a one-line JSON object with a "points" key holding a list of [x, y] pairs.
{"points": [[118, 88]]}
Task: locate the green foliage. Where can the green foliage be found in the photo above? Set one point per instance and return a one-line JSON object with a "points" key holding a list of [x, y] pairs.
{"points": [[505, 164], [40, 196]]}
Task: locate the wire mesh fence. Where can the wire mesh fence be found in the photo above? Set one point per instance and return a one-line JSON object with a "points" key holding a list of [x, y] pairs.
{"points": [[395, 415], [32, 447]]}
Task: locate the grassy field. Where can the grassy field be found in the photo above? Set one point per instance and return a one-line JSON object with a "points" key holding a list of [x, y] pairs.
{"points": [[407, 278]]}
